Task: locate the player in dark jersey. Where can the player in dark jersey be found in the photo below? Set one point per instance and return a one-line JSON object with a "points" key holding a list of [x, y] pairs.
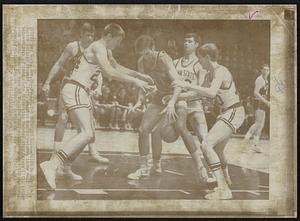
{"points": [[65, 64], [160, 67], [262, 104]]}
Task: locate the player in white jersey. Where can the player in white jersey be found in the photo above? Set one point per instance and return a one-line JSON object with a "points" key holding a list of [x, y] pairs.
{"points": [[231, 118], [97, 59], [66, 63], [262, 104]]}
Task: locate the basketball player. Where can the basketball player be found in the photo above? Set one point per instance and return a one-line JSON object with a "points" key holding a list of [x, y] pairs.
{"points": [[160, 67], [189, 70], [66, 63], [75, 93], [229, 120], [262, 104]]}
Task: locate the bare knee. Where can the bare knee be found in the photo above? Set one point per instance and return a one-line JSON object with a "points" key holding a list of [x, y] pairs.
{"points": [[63, 118], [143, 130]]}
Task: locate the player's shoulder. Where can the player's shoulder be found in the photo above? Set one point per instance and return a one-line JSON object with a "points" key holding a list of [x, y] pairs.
{"points": [[71, 45], [98, 46], [259, 79], [223, 70]]}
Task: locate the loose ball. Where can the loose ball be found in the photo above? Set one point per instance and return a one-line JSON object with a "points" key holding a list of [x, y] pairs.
{"points": [[167, 131]]}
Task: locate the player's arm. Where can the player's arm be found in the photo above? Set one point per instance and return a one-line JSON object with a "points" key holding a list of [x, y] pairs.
{"points": [[204, 91], [65, 56], [258, 85], [141, 95], [173, 75], [112, 73], [132, 73]]}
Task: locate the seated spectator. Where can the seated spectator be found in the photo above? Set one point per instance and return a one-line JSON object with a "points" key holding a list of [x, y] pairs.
{"points": [[41, 105]]}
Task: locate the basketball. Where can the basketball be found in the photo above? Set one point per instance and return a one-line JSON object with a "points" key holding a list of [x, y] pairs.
{"points": [[167, 131]]}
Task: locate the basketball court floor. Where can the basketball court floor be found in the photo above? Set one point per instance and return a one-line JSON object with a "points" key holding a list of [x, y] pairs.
{"points": [[249, 171]]}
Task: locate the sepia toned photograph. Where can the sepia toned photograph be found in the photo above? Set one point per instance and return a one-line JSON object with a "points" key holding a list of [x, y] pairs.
{"points": [[148, 58], [133, 112]]}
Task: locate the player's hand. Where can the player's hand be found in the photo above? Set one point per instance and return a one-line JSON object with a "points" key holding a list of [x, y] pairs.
{"points": [[46, 88], [165, 100], [143, 85], [148, 79], [182, 84], [170, 111]]}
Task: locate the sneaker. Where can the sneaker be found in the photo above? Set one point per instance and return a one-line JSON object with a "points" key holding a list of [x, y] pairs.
{"points": [[96, 156], [219, 194], [139, 174], [66, 172], [202, 174], [155, 170], [49, 171]]}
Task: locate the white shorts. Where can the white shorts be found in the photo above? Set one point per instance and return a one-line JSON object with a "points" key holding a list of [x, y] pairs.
{"points": [[194, 106], [233, 117], [75, 97]]}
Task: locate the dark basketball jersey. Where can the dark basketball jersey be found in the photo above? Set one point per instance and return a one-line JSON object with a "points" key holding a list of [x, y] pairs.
{"points": [[264, 91], [159, 74], [73, 62]]}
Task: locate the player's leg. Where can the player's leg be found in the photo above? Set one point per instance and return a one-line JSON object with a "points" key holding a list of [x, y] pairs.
{"points": [[156, 144], [150, 119], [198, 123], [218, 133], [78, 104], [94, 154], [60, 124], [227, 123], [260, 122], [189, 142]]}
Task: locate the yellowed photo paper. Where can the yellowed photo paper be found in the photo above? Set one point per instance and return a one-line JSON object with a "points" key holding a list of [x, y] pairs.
{"points": [[149, 110]]}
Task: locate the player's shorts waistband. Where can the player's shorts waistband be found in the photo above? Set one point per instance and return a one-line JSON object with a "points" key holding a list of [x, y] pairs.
{"points": [[238, 104], [70, 81]]}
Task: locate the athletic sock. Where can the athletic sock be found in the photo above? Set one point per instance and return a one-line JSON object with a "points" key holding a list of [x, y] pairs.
{"points": [[218, 172], [144, 161], [60, 158], [256, 140], [248, 136]]}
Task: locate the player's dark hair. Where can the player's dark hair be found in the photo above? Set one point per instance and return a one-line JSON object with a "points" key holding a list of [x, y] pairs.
{"points": [[264, 65], [87, 27], [193, 35], [114, 30], [209, 49], [143, 42]]}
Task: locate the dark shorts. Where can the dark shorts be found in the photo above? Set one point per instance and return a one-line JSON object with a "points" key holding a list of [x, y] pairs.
{"points": [[157, 98]]}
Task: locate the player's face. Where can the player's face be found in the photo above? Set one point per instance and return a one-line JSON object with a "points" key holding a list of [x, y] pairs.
{"points": [[265, 70], [190, 44], [115, 42], [204, 61], [88, 37]]}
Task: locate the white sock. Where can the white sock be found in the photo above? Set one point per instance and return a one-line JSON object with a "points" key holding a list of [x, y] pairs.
{"points": [[144, 161], [255, 140], [248, 136]]}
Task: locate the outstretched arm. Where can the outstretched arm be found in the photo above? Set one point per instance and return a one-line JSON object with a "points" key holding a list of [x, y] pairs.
{"points": [[132, 73], [65, 56], [204, 91], [112, 73]]}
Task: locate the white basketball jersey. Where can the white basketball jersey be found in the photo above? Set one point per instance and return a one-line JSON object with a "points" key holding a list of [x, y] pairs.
{"points": [[227, 94], [187, 72], [86, 73]]}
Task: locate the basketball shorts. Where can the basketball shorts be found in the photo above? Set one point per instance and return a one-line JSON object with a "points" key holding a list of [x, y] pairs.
{"points": [[194, 106], [158, 96], [234, 117], [75, 97]]}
